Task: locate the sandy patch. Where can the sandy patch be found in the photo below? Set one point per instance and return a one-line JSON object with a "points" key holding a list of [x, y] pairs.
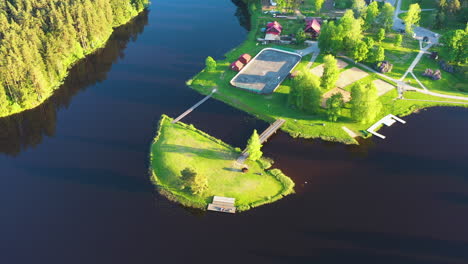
{"points": [[383, 87], [350, 76], [319, 69], [327, 95]]}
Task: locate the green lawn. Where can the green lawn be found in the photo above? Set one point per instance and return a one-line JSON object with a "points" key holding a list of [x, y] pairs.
{"points": [[425, 4], [178, 146], [451, 83], [400, 56]]}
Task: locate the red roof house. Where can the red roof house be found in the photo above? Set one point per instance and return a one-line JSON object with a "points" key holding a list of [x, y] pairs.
{"points": [[313, 27], [274, 28], [237, 65], [245, 58]]}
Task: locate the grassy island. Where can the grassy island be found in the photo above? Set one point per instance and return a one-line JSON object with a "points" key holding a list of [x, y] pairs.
{"points": [[317, 125], [179, 146]]}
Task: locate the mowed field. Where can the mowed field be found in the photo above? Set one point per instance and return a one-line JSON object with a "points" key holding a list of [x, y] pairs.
{"points": [[180, 146]]}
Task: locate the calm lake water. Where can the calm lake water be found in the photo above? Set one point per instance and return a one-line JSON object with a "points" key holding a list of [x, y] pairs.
{"points": [[74, 183]]}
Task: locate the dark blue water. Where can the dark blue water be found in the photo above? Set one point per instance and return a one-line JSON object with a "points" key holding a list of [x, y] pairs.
{"points": [[74, 184]]}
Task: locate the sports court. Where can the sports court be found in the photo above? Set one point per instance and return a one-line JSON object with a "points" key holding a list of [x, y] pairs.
{"points": [[266, 71]]}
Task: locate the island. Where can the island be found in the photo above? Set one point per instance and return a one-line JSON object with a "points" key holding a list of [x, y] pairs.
{"points": [[190, 167], [338, 72]]}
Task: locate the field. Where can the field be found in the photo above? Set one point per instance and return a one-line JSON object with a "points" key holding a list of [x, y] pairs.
{"points": [[178, 146]]}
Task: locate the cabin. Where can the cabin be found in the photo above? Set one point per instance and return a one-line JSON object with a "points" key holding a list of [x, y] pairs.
{"points": [[245, 58], [274, 28], [313, 27], [237, 65]]}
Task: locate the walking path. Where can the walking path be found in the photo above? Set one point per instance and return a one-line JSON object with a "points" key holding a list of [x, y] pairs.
{"points": [[193, 107]]}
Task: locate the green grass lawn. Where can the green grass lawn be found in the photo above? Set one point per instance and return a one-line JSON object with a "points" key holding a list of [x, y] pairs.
{"points": [[400, 56], [178, 146], [425, 4], [451, 83]]}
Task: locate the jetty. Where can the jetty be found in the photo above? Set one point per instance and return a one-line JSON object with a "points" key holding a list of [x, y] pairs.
{"points": [[263, 138], [388, 121], [193, 107], [222, 204]]}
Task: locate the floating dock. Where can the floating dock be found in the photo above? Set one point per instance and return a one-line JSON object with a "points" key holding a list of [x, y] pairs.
{"points": [[222, 204], [388, 121]]}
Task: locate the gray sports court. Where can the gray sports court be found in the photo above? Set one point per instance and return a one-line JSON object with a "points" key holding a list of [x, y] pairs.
{"points": [[266, 71]]}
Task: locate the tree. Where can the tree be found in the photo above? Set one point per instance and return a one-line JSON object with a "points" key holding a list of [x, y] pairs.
{"points": [[254, 147], [318, 5], [330, 39], [188, 176], [359, 7], [305, 92], [330, 72], [300, 36], [199, 185], [378, 54], [372, 12], [352, 29], [412, 17], [210, 64], [398, 40], [334, 106], [385, 18], [454, 45], [359, 52], [369, 42], [381, 35], [454, 6], [365, 104]]}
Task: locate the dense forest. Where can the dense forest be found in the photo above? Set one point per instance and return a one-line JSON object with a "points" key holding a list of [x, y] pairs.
{"points": [[27, 129], [41, 39]]}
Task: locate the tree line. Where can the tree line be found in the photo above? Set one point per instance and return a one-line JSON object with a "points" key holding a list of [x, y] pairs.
{"points": [[41, 39]]}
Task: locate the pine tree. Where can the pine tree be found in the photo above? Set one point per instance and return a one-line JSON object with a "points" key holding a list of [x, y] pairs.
{"points": [[254, 147]]}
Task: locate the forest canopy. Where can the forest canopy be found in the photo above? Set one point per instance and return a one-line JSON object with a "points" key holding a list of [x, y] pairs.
{"points": [[41, 39]]}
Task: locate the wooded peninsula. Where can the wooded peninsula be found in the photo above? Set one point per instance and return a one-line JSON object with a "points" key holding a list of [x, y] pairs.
{"points": [[41, 39]]}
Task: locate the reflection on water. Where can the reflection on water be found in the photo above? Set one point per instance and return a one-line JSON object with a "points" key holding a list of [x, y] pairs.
{"points": [[27, 129]]}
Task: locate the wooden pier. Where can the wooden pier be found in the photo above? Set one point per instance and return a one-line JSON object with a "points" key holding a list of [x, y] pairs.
{"points": [[263, 137], [222, 204], [388, 121], [193, 107]]}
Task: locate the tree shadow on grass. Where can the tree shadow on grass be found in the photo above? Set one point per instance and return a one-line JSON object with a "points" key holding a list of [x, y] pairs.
{"points": [[232, 169], [200, 152]]}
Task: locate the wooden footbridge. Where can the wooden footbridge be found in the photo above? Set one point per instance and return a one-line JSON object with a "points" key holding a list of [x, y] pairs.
{"points": [[193, 107], [263, 137]]}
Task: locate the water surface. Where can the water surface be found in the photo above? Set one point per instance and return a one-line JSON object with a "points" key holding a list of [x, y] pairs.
{"points": [[74, 184]]}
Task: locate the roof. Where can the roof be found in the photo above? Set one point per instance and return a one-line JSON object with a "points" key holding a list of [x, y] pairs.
{"points": [[313, 24], [237, 64], [274, 27], [245, 57]]}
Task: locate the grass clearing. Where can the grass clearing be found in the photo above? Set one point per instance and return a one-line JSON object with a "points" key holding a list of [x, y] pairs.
{"points": [[178, 146]]}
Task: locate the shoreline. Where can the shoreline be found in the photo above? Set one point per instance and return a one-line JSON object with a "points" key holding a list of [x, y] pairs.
{"points": [[74, 60], [261, 185]]}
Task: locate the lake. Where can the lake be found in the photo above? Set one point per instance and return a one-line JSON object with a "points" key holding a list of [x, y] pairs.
{"points": [[75, 188]]}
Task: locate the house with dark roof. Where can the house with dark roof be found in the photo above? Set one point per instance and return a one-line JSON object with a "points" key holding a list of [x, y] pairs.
{"points": [[313, 27]]}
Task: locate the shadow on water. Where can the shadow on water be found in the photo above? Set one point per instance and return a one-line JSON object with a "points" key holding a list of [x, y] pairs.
{"points": [[27, 129]]}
